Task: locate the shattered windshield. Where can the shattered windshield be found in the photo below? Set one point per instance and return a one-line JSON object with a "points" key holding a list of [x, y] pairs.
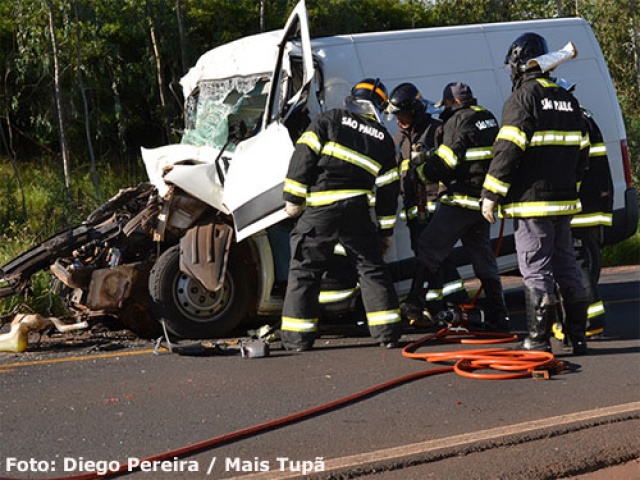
{"points": [[208, 109]]}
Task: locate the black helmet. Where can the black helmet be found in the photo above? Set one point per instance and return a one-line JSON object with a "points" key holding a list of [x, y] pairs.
{"points": [[405, 98], [527, 46], [371, 89]]}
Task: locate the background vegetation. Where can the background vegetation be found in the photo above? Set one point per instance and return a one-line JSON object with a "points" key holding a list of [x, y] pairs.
{"points": [[86, 83]]}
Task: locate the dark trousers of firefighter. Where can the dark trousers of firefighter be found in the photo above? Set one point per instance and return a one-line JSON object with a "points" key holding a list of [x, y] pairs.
{"points": [[450, 224], [586, 243], [445, 285], [313, 240]]}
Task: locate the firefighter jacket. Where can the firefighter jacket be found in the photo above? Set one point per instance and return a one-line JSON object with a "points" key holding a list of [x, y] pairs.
{"points": [[342, 155], [462, 159], [425, 133], [596, 189], [540, 153]]}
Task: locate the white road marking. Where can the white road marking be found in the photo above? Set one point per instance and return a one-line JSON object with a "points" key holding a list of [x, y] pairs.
{"points": [[377, 456]]}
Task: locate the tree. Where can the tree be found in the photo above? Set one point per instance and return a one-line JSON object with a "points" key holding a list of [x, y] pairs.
{"points": [[115, 61], [57, 89]]}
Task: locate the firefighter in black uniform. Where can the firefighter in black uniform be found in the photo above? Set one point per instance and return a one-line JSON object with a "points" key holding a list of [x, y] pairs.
{"points": [[419, 131], [461, 162], [344, 156], [540, 156], [587, 227]]}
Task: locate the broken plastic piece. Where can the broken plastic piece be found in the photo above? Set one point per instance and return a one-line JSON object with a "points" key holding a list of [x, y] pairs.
{"points": [[17, 339], [254, 348]]}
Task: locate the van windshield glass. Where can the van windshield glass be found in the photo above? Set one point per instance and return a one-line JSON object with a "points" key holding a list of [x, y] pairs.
{"points": [[209, 107]]}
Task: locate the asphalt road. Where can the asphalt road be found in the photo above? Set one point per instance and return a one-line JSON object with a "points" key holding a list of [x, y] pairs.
{"points": [[76, 406]]}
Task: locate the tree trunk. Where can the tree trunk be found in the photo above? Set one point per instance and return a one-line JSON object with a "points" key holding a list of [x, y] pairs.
{"points": [[163, 102], [87, 118], [64, 146], [181, 35], [8, 143], [262, 15]]}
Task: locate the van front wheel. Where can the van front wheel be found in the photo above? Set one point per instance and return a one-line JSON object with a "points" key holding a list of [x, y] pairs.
{"points": [[187, 308]]}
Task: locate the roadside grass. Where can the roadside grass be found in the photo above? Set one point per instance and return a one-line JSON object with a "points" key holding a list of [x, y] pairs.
{"points": [[43, 211], [623, 253]]}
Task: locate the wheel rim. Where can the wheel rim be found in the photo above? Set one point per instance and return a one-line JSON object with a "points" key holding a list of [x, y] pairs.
{"points": [[199, 304]]}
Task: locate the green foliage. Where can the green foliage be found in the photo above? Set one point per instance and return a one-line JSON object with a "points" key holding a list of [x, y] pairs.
{"points": [[48, 209], [40, 299], [356, 17], [48, 212], [623, 253], [107, 56]]}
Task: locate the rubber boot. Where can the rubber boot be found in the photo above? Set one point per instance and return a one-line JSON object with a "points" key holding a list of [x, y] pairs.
{"points": [[540, 309], [575, 310], [297, 341], [497, 316], [595, 319], [412, 309]]}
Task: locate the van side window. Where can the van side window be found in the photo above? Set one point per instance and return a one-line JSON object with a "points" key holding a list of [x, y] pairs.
{"points": [[309, 105]]}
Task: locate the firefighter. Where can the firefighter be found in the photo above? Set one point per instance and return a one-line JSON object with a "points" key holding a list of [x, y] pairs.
{"points": [[540, 155], [342, 157], [461, 162], [587, 227], [419, 131]]}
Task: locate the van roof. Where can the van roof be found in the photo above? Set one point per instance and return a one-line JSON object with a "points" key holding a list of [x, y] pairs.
{"points": [[453, 30], [233, 59]]}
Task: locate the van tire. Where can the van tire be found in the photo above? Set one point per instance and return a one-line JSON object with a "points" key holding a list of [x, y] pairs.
{"points": [[187, 308]]}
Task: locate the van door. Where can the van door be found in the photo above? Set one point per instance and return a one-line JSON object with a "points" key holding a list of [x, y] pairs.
{"points": [[255, 179]]}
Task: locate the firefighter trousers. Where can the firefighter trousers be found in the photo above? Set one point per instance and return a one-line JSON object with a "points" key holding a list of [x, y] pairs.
{"points": [[586, 243], [445, 285], [544, 247], [450, 224], [313, 239]]}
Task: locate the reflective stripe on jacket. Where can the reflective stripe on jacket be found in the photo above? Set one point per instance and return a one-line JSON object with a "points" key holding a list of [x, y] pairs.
{"points": [[596, 188], [342, 155], [540, 153], [462, 159]]}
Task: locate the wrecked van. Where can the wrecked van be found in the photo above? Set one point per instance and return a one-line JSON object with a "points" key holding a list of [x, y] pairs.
{"points": [[190, 248]]}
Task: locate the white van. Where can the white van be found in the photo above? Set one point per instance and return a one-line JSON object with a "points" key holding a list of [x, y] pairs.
{"points": [[267, 79]]}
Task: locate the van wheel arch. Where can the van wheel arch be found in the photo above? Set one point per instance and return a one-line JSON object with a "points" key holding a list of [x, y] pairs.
{"points": [[188, 309]]}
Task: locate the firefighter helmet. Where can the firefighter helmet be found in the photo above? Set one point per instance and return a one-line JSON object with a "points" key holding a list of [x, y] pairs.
{"points": [[527, 46], [405, 98], [372, 90]]}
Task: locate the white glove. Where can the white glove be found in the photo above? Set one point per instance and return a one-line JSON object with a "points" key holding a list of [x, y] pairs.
{"points": [[417, 158], [293, 210], [488, 208], [386, 244]]}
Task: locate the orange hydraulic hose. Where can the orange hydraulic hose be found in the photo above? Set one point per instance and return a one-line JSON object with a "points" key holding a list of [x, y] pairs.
{"points": [[260, 428], [519, 363]]}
